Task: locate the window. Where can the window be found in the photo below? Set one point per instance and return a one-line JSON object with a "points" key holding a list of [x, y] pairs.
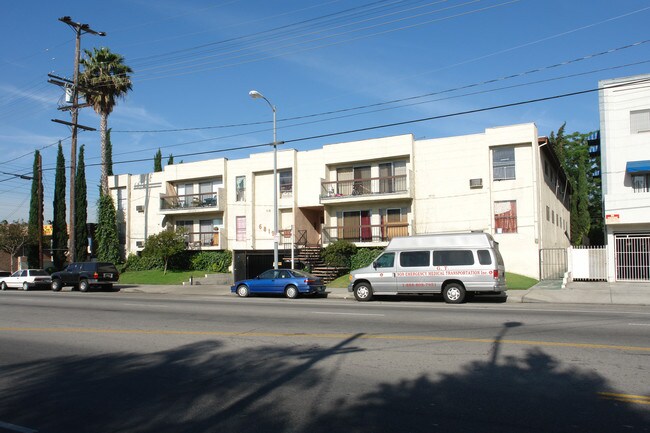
{"points": [[392, 177], [639, 121], [453, 258], [484, 257], [241, 228], [286, 183], [240, 188], [505, 216], [393, 223], [411, 259], [189, 228], [503, 163], [548, 213], [385, 261], [641, 182]]}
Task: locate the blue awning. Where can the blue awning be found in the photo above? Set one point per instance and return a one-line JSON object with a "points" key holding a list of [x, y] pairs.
{"points": [[638, 166]]}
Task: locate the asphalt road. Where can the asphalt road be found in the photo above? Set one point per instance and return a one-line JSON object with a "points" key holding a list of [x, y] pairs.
{"points": [[125, 362]]}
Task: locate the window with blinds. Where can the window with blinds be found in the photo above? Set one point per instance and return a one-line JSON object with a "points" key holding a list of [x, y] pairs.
{"points": [[639, 121]]}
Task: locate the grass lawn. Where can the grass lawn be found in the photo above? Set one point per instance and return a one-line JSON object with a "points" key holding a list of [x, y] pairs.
{"points": [[157, 277], [513, 281]]}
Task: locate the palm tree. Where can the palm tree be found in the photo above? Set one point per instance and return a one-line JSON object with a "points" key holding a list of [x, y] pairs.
{"points": [[105, 79]]}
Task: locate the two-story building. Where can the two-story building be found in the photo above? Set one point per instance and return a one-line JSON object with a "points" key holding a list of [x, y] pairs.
{"points": [[506, 181], [625, 162]]}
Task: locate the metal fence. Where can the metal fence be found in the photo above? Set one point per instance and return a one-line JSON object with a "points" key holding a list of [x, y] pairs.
{"points": [[632, 257], [553, 263]]}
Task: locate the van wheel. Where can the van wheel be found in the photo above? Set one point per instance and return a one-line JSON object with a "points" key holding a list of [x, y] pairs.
{"points": [[454, 293], [363, 292], [291, 292]]}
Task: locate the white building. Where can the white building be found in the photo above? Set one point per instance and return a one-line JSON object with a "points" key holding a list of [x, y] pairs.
{"points": [[506, 181], [625, 161]]}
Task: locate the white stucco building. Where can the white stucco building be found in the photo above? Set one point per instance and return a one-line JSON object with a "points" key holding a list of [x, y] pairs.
{"points": [[505, 181], [625, 161]]}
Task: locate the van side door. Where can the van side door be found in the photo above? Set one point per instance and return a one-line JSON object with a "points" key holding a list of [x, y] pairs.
{"points": [[414, 273]]}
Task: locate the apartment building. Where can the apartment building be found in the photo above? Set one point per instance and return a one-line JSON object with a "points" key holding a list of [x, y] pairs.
{"points": [[506, 181], [625, 161]]}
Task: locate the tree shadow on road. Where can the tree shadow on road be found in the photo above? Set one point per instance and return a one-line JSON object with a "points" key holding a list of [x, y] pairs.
{"points": [[203, 387]]}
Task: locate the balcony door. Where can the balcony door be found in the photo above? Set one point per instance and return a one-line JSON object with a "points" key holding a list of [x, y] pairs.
{"points": [[356, 226], [392, 177], [361, 185]]}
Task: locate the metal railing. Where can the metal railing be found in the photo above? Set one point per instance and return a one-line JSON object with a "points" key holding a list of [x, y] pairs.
{"points": [[365, 233], [189, 201], [368, 186], [202, 239]]}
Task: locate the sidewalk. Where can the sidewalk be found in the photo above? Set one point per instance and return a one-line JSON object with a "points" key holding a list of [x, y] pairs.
{"points": [[620, 293]]}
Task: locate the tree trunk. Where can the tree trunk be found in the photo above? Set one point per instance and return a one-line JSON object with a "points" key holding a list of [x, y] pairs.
{"points": [[102, 132]]}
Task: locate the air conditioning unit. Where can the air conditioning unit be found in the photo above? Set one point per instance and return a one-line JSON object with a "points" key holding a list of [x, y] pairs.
{"points": [[476, 183], [139, 244], [139, 208]]}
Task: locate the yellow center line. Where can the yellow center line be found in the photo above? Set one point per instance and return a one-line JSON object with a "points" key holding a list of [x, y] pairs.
{"points": [[626, 398], [327, 335]]}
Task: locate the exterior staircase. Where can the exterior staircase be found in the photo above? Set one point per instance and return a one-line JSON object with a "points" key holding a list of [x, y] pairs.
{"points": [[310, 257]]}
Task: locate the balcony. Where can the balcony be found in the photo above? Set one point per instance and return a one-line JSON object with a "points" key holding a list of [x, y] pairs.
{"points": [[365, 234], [191, 203], [203, 240], [368, 189]]}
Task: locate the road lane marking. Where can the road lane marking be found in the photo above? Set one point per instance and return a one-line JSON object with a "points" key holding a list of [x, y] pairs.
{"points": [[625, 398], [326, 335], [348, 314], [16, 428], [638, 324]]}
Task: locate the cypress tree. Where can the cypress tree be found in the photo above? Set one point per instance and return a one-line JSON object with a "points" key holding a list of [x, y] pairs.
{"points": [[81, 209], [59, 226], [170, 161], [108, 243], [108, 156], [157, 161], [35, 207]]}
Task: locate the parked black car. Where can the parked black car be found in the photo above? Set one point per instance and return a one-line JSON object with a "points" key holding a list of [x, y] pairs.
{"points": [[84, 275]]}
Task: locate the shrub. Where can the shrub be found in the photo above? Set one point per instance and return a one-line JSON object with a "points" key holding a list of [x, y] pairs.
{"points": [[142, 263], [339, 253], [364, 257], [212, 261]]}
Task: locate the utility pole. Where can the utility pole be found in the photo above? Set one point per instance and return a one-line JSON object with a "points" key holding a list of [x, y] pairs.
{"points": [[40, 211], [79, 30]]}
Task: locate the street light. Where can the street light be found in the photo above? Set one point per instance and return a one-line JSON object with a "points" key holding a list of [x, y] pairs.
{"points": [[257, 95]]}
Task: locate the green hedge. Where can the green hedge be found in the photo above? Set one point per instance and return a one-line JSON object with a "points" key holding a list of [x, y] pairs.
{"points": [[364, 257], [209, 261]]}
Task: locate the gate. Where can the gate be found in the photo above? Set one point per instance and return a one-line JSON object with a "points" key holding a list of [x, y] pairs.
{"points": [[632, 257], [552, 263], [588, 263]]}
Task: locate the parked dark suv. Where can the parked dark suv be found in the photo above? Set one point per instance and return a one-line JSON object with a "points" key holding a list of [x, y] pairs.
{"points": [[84, 275]]}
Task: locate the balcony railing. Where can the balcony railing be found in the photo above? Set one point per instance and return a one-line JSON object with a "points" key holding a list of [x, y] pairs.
{"points": [[365, 233], [195, 240], [189, 201], [368, 186]]}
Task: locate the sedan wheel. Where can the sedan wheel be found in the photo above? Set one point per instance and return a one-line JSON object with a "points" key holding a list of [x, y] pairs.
{"points": [[25, 286], [291, 292], [3, 286], [243, 291]]}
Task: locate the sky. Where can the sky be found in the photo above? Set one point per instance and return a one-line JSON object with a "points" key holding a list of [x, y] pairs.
{"points": [[336, 71]]}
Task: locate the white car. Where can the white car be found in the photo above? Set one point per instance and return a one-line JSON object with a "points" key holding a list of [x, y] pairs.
{"points": [[26, 279]]}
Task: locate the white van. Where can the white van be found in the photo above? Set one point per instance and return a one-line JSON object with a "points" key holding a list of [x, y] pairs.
{"points": [[451, 264]]}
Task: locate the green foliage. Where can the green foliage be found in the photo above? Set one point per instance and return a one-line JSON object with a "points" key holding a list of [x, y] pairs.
{"points": [[80, 209], [212, 261], [108, 153], [35, 214], [59, 226], [143, 263], [339, 253], [108, 244], [164, 245], [170, 161], [12, 237], [157, 161], [364, 257]]}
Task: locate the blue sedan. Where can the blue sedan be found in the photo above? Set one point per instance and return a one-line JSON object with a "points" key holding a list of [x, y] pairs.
{"points": [[290, 282]]}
